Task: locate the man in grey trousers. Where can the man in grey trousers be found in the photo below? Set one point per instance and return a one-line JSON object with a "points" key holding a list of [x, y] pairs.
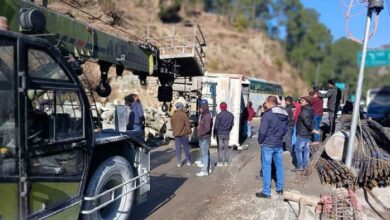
{"points": [[222, 128]]}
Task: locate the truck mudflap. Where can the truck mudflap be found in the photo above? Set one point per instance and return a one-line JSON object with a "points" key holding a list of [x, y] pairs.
{"points": [[109, 194]]}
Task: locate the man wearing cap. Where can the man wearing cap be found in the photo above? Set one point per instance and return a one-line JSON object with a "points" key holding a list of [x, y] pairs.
{"points": [[205, 125], [181, 128], [222, 128], [304, 134]]}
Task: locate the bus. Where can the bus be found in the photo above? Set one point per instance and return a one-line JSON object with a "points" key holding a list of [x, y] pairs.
{"points": [[260, 89]]}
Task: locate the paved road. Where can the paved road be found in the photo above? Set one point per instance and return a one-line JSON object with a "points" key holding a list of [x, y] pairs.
{"points": [[228, 193]]}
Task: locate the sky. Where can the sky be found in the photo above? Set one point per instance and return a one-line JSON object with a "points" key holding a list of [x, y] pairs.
{"points": [[332, 14]]}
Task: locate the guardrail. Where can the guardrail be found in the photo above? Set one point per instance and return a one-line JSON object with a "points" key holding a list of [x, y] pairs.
{"points": [[176, 46], [111, 191]]}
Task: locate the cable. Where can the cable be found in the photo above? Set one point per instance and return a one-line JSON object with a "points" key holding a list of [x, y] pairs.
{"points": [[348, 15], [96, 18]]}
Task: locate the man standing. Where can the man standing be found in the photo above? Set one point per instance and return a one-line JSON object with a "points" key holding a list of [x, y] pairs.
{"points": [[249, 114], [317, 104], [334, 98], [204, 134], [128, 102], [291, 123], [273, 127], [139, 118], [222, 128], [181, 128], [304, 133]]}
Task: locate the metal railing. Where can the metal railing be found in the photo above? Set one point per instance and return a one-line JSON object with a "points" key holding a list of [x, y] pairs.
{"points": [[176, 46], [111, 191]]}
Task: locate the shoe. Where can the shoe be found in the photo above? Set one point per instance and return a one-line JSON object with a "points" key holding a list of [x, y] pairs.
{"points": [[189, 163], [280, 192], [202, 173], [199, 165], [226, 164], [198, 162], [219, 164], [179, 165], [210, 170], [297, 170], [262, 195]]}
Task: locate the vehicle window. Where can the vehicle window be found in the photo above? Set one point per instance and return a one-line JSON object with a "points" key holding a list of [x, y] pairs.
{"points": [[69, 122], [7, 109], [42, 66], [53, 115]]}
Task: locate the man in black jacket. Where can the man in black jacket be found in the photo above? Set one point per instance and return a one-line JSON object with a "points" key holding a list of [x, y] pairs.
{"points": [[222, 128], [291, 123], [304, 134], [334, 98]]}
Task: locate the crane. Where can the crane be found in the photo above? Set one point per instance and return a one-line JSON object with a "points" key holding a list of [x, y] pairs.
{"points": [[80, 42]]}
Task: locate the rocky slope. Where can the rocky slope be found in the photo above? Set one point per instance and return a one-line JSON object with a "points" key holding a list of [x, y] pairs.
{"points": [[229, 51]]}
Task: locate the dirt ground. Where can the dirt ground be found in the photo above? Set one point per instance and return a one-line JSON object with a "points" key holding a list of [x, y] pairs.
{"points": [[228, 193]]}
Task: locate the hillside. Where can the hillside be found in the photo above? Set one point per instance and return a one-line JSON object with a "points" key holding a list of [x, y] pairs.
{"points": [[248, 52]]}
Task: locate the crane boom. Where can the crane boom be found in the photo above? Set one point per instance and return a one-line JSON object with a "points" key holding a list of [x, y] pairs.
{"points": [[78, 38]]}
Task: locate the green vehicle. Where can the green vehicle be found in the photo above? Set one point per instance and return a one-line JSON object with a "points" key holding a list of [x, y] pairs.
{"points": [[55, 160], [52, 163]]}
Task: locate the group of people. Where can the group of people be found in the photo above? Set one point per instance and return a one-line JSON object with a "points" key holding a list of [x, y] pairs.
{"points": [[294, 127], [181, 129]]}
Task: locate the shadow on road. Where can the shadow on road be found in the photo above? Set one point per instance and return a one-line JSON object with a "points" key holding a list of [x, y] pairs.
{"points": [[163, 189], [161, 157]]}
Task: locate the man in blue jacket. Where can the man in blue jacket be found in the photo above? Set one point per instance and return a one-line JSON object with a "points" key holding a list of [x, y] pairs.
{"points": [[273, 127], [222, 128]]}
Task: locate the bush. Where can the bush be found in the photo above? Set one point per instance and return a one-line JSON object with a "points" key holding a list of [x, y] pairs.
{"points": [[241, 22], [170, 13]]}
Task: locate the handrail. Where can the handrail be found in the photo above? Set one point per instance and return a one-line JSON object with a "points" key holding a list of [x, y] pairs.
{"points": [[113, 198]]}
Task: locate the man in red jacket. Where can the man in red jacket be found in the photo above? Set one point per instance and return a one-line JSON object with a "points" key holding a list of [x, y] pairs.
{"points": [[249, 114], [317, 105]]}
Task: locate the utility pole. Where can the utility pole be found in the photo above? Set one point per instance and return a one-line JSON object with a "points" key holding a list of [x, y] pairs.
{"points": [[373, 6]]}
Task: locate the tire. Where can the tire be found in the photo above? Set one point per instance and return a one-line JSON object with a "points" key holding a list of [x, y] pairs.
{"points": [[112, 172]]}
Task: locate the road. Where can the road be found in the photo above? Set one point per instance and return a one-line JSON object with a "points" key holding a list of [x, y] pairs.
{"points": [[228, 193]]}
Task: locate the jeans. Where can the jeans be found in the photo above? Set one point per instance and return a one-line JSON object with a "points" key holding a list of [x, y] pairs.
{"points": [[316, 125], [182, 142], [288, 138], [204, 144], [248, 129], [332, 121], [267, 155], [223, 147], [302, 151]]}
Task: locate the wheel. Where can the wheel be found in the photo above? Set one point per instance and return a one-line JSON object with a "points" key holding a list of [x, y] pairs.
{"points": [[112, 172]]}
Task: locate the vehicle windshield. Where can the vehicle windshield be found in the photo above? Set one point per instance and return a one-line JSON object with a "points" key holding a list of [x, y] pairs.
{"points": [[7, 108], [380, 98]]}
